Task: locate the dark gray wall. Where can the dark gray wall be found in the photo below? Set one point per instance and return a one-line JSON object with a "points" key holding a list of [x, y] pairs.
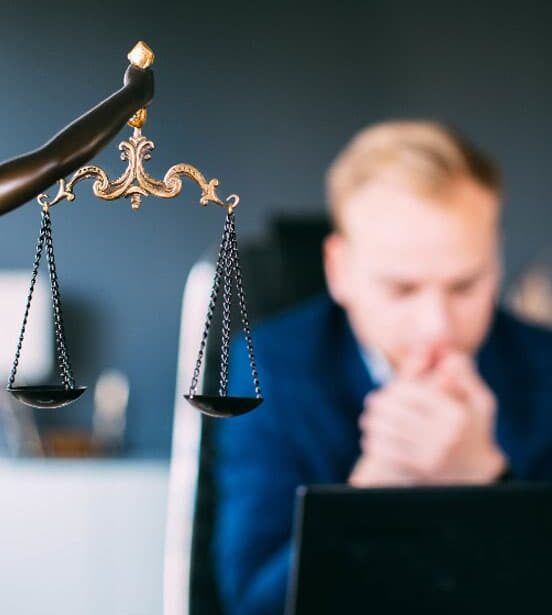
{"points": [[261, 98]]}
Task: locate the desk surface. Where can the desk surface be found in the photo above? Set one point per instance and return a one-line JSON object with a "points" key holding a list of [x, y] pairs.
{"points": [[82, 537]]}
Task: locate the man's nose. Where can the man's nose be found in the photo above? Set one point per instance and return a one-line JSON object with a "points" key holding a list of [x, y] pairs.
{"points": [[434, 319]]}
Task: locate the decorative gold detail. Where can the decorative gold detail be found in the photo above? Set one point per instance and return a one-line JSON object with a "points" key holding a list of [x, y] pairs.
{"points": [[141, 55], [138, 119], [135, 182]]}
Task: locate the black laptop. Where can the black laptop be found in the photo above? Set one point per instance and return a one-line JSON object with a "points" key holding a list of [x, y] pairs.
{"points": [[447, 550]]}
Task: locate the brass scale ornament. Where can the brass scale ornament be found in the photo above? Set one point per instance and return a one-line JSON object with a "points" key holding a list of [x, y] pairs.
{"points": [[135, 183]]}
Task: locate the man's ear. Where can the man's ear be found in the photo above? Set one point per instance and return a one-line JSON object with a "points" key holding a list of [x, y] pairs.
{"points": [[335, 267]]}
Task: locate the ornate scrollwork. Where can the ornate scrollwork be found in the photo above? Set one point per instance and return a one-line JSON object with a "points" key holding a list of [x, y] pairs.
{"points": [[136, 183]]}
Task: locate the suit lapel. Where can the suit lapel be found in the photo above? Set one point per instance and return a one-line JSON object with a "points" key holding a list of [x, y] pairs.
{"points": [[501, 367]]}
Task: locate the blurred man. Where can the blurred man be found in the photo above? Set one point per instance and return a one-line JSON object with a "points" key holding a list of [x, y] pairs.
{"points": [[407, 375]]}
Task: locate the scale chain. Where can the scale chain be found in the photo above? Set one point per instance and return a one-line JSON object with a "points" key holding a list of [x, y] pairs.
{"points": [[228, 272], [64, 363], [243, 308], [210, 311], [226, 306]]}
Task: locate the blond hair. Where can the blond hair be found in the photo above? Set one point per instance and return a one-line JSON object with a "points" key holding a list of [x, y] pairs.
{"points": [[423, 155]]}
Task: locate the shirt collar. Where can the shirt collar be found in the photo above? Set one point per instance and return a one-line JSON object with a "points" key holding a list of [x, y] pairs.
{"points": [[378, 366]]}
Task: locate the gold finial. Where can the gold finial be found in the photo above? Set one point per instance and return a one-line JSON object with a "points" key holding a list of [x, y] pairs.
{"points": [[141, 55], [138, 119]]}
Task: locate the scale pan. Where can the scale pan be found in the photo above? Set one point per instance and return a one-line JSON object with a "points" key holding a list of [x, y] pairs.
{"points": [[223, 407], [46, 397]]}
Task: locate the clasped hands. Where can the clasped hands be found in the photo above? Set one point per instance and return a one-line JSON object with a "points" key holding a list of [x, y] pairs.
{"points": [[432, 424]]}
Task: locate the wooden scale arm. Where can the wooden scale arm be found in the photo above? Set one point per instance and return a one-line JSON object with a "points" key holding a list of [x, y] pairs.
{"points": [[22, 178]]}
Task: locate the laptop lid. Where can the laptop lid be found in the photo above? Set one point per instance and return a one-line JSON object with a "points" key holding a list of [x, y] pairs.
{"points": [[446, 550]]}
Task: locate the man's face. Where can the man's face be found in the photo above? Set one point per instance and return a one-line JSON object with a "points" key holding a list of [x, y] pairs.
{"points": [[416, 273]]}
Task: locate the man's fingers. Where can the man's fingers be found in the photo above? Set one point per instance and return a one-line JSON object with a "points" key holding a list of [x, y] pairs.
{"points": [[372, 472], [419, 398], [402, 415], [459, 376], [382, 426], [392, 452]]}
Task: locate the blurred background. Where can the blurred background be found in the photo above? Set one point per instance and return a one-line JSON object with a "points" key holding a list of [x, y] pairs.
{"points": [[262, 96]]}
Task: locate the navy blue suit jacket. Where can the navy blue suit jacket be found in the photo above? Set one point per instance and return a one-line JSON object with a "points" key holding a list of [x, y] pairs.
{"points": [[314, 381]]}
